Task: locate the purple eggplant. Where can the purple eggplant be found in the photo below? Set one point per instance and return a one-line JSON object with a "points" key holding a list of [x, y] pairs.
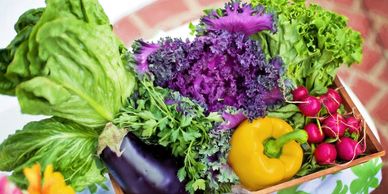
{"points": [[142, 168]]}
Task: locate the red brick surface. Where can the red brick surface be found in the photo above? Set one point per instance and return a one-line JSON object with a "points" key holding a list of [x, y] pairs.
{"points": [[126, 30], [378, 6], [344, 74], [370, 57], [357, 21], [161, 10], [210, 2], [381, 110], [382, 38], [384, 75], [345, 2], [364, 89]]}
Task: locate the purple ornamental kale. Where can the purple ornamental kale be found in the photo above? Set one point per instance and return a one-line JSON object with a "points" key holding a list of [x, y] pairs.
{"points": [[232, 120], [222, 68], [141, 52], [219, 70], [237, 17], [172, 57]]}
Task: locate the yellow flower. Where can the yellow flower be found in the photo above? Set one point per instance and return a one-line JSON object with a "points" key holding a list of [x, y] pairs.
{"points": [[53, 182], [34, 178]]}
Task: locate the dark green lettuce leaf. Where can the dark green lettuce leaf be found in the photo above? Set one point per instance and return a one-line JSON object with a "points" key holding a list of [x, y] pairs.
{"points": [[68, 146], [23, 27]]}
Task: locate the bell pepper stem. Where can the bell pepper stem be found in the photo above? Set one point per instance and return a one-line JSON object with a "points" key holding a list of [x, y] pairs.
{"points": [[273, 147]]}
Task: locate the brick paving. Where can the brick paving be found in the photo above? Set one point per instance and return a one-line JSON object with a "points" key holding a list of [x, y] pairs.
{"points": [[369, 80]]}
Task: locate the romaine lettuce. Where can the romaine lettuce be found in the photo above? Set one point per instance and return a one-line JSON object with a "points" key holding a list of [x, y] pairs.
{"points": [[67, 62]]}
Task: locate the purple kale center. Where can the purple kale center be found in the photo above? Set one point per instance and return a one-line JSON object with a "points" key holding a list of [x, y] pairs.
{"points": [[220, 69]]}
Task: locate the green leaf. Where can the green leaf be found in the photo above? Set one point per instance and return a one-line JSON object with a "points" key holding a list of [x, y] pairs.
{"points": [[366, 173], [291, 190], [357, 185], [181, 174], [149, 128], [331, 140], [19, 46], [185, 121], [368, 169], [193, 29], [146, 115], [284, 112], [214, 116], [340, 188], [174, 134], [199, 184], [68, 146]]}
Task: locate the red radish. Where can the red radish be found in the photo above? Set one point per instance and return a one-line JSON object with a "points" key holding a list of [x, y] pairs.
{"points": [[325, 153], [300, 93], [329, 103], [333, 126], [353, 124], [348, 149], [314, 134], [334, 95], [310, 107]]}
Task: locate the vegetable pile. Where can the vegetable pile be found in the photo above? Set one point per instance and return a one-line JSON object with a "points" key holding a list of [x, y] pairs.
{"points": [[192, 111], [67, 63]]}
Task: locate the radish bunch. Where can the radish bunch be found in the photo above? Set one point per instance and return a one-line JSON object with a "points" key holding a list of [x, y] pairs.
{"points": [[335, 136]]}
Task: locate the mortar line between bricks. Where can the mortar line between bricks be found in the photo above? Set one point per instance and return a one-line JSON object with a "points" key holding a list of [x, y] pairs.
{"points": [[376, 25], [374, 80], [138, 22], [381, 127], [357, 6], [174, 21], [217, 4], [328, 5], [378, 67], [351, 78], [382, 89], [193, 5], [372, 104]]}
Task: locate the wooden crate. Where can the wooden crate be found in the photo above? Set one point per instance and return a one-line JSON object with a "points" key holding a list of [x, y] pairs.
{"points": [[374, 150]]}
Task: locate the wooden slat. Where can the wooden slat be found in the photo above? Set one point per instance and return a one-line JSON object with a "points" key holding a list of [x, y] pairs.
{"points": [[374, 150]]}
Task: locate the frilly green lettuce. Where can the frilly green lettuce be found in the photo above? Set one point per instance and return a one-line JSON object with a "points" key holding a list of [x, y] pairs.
{"points": [[312, 42]]}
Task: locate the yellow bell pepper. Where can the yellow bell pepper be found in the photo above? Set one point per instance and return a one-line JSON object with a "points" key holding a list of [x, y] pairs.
{"points": [[265, 152]]}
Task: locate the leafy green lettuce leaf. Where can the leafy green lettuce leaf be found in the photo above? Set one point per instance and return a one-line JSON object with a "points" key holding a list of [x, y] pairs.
{"points": [[312, 42], [67, 62], [23, 27], [69, 146]]}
